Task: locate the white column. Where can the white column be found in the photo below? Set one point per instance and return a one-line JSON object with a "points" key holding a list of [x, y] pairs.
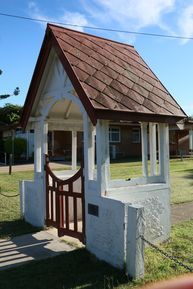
{"points": [[134, 242], [27, 145], [38, 198], [144, 148], [74, 150], [85, 135], [44, 129], [91, 151], [152, 143], [103, 160], [40, 145], [37, 147], [164, 151]]}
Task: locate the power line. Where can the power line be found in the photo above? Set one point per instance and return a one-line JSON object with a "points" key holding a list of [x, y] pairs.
{"points": [[97, 28]]}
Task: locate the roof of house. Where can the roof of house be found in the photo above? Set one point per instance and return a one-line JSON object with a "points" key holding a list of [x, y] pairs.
{"points": [[110, 78]]}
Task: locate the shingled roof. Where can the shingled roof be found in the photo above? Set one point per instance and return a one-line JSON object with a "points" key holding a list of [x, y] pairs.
{"points": [[110, 78]]}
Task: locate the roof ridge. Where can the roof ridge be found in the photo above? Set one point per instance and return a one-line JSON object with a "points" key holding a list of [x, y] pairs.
{"points": [[49, 25]]}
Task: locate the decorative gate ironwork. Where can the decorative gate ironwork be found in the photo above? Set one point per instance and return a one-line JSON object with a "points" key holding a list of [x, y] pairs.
{"points": [[65, 203]]}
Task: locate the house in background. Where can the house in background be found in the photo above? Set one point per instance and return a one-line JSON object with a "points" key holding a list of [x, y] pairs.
{"points": [[181, 138], [123, 135]]}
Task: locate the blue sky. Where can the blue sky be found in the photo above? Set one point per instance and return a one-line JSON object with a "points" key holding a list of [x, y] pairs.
{"points": [[170, 59]]}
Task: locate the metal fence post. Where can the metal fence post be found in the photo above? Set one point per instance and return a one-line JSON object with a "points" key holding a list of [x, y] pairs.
{"points": [[134, 242], [10, 163], [5, 158]]}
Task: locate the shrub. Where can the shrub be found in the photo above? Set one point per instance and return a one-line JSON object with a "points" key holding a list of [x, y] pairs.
{"points": [[19, 146]]}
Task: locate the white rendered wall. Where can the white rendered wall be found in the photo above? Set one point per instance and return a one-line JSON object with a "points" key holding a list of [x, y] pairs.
{"points": [[105, 235], [156, 203], [32, 202]]}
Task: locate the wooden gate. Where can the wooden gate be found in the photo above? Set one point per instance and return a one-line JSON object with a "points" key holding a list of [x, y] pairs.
{"points": [[65, 203]]}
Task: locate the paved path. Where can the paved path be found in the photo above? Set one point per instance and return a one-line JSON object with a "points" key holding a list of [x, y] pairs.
{"points": [[30, 167], [36, 246], [182, 212]]}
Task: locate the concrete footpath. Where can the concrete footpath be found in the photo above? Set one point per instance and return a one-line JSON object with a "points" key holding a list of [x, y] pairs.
{"points": [[181, 212], [30, 167], [36, 246]]}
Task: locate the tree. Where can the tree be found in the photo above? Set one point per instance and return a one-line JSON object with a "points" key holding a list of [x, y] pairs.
{"points": [[10, 113], [15, 92], [19, 145]]}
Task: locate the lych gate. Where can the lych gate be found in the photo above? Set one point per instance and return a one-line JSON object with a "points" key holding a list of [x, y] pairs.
{"points": [[82, 83]]}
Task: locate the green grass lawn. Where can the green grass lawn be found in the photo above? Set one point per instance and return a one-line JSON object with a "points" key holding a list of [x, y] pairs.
{"points": [[79, 269], [181, 180], [11, 223]]}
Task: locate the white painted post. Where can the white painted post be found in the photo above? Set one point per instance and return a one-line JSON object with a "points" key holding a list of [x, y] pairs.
{"points": [[103, 159], [164, 151], [85, 135], [44, 129], [40, 145], [27, 145], [91, 151], [74, 150], [37, 148], [37, 199], [152, 143], [134, 242], [144, 149]]}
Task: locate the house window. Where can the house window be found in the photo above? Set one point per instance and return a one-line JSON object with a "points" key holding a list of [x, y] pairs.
{"points": [[114, 134], [136, 135]]}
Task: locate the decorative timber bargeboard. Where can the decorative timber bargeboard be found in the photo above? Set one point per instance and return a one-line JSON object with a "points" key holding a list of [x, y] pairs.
{"points": [[65, 203]]}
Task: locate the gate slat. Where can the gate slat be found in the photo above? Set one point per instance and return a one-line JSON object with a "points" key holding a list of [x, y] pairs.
{"points": [[75, 215], [62, 211], [67, 211]]}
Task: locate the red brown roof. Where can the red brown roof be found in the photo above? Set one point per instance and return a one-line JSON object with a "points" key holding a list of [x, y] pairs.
{"points": [[110, 78]]}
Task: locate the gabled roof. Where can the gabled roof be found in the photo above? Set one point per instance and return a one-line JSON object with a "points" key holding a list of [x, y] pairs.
{"points": [[110, 78]]}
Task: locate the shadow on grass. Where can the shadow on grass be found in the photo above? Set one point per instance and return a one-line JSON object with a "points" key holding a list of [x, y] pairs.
{"points": [[75, 269], [10, 229], [126, 160], [187, 174]]}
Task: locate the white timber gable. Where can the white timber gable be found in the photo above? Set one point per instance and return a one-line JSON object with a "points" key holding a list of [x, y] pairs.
{"points": [[57, 102]]}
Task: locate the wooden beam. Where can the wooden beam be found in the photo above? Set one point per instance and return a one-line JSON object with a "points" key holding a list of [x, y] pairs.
{"points": [[68, 110]]}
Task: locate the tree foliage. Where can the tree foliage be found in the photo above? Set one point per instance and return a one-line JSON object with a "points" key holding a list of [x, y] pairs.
{"points": [[10, 113], [15, 92], [19, 146]]}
